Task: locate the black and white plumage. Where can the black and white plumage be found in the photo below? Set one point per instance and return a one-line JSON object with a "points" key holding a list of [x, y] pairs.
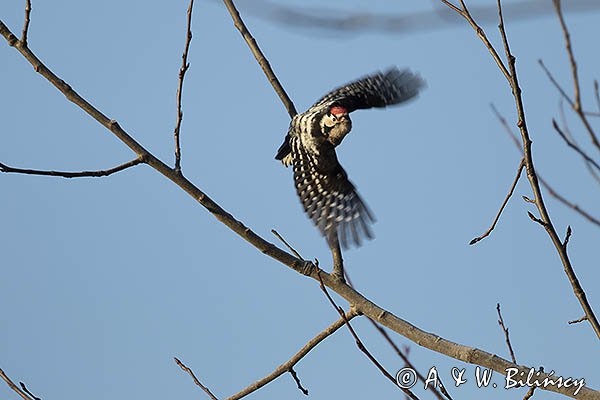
{"points": [[328, 197]]}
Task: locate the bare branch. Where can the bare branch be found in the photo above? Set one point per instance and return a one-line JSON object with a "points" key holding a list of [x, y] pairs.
{"points": [[575, 147], [545, 221], [289, 364], [464, 12], [576, 94], [363, 305], [401, 353], [93, 174], [362, 347], [567, 237], [196, 381], [505, 330], [567, 132], [556, 84], [260, 57], [576, 321], [531, 173], [184, 67], [27, 20], [536, 219], [577, 106], [274, 232], [504, 203], [298, 383], [15, 388], [28, 391], [543, 182]]}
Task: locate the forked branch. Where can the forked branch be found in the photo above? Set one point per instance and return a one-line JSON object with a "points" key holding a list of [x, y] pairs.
{"points": [[545, 220]]}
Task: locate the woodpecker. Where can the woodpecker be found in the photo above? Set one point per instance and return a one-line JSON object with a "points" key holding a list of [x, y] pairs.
{"points": [[328, 197]]}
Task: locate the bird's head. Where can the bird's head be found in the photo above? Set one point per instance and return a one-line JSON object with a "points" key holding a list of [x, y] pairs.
{"points": [[336, 124], [336, 115]]}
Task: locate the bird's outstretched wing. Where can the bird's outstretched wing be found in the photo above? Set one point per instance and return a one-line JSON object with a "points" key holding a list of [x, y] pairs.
{"points": [[381, 89], [328, 197]]}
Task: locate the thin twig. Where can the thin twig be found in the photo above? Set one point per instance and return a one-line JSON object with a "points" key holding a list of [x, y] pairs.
{"points": [[289, 364], [531, 173], [572, 145], [578, 111], [260, 57], [362, 347], [504, 203], [298, 383], [402, 354], [184, 67], [196, 381], [567, 237], [544, 220], [577, 106], [577, 92], [576, 321], [567, 131], [28, 391], [505, 330], [26, 23], [543, 182], [556, 84], [274, 232], [464, 12], [82, 174], [14, 387], [529, 393]]}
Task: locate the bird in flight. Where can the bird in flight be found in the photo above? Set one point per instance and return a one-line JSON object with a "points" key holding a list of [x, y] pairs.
{"points": [[327, 195]]}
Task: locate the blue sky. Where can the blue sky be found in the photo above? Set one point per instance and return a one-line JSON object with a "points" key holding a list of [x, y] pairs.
{"points": [[105, 280]]}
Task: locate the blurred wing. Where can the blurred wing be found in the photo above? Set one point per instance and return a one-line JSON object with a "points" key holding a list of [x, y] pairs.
{"points": [[378, 90], [328, 197]]}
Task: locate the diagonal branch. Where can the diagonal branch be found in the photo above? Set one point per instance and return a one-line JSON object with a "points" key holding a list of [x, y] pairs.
{"points": [[589, 160], [196, 380], [14, 387], [543, 182], [93, 174], [463, 11], [577, 106], [505, 330], [184, 67], [362, 304], [512, 79], [260, 57], [567, 132], [510, 192], [289, 364], [563, 25], [362, 347], [403, 356]]}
